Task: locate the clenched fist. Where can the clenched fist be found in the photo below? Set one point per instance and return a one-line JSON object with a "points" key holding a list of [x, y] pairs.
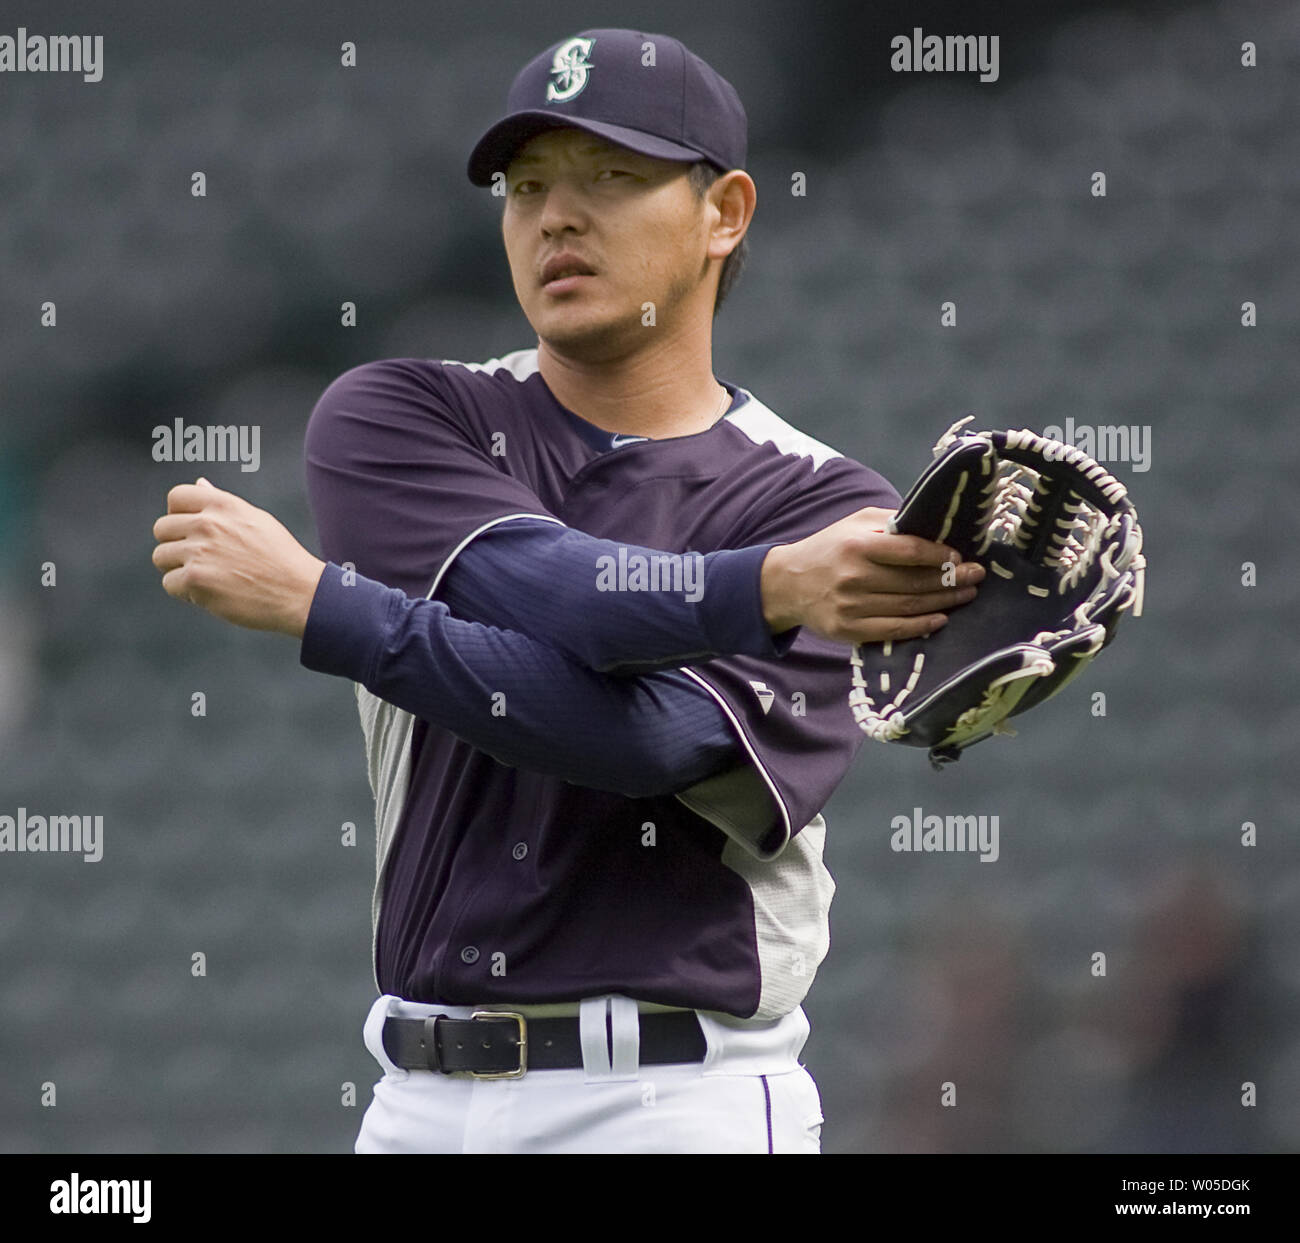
{"points": [[235, 560], [853, 582]]}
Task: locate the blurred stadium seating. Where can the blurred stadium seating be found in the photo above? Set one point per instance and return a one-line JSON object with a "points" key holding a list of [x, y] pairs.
{"points": [[222, 832]]}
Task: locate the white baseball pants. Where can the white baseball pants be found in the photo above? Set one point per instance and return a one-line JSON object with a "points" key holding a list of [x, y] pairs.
{"points": [[750, 1094]]}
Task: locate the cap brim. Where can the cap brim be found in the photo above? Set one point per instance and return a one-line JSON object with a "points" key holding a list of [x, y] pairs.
{"points": [[497, 147]]}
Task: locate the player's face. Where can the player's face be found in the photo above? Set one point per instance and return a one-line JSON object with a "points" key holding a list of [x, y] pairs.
{"points": [[633, 222]]}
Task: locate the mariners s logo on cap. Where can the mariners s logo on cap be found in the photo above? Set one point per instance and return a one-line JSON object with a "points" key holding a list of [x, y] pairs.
{"points": [[669, 105], [569, 68]]}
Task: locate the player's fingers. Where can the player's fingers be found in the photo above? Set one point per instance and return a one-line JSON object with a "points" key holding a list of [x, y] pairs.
{"points": [[170, 555], [176, 583], [175, 526], [891, 629], [885, 606], [913, 579], [190, 498], [885, 549]]}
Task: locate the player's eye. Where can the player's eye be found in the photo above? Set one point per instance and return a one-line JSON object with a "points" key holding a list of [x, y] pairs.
{"points": [[525, 187], [615, 172]]}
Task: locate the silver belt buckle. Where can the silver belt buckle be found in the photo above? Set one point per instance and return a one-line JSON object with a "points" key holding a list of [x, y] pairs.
{"points": [[523, 1045]]}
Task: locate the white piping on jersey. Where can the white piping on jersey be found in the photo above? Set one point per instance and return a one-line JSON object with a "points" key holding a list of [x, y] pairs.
{"points": [[753, 755], [761, 425], [474, 534], [520, 363], [758, 421]]}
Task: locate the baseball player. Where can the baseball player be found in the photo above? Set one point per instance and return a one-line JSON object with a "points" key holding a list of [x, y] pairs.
{"points": [[594, 602]]}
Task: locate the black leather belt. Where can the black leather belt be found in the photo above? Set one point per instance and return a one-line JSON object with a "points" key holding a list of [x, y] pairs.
{"points": [[501, 1044]]}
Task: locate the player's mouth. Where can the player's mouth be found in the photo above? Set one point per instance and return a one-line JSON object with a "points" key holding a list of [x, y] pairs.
{"points": [[565, 272]]}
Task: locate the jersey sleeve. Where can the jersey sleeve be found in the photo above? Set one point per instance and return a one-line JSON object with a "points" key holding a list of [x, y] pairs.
{"points": [[400, 474], [791, 713], [642, 737], [543, 580]]}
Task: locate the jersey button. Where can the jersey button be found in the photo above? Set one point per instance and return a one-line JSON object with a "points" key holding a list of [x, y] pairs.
{"points": [[520, 850], [469, 954]]}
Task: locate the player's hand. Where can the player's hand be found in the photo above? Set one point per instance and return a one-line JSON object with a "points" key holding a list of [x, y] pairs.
{"points": [[854, 583], [235, 560]]}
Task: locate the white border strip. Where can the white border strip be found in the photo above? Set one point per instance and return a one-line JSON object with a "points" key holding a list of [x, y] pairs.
{"points": [[753, 755], [487, 526]]}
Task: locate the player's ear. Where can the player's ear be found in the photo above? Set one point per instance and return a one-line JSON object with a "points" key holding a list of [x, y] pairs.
{"points": [[734, 198]]}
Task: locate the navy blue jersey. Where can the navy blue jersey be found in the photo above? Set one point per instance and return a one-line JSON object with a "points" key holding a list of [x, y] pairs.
{"points": [[504, 885]]}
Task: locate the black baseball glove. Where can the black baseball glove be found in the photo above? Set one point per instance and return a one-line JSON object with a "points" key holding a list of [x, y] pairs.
{"points": [[1062, 553]]}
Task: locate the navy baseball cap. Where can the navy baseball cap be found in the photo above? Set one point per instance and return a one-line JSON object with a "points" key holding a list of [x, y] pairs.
{"points": [[643, 91]]}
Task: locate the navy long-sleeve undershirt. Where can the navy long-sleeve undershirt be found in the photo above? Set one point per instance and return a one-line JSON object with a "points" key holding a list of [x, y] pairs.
{"points": [[553, 583], [532, 703]]}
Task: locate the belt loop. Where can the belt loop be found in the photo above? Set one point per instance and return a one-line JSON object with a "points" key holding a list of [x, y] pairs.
{"points": [[625, 1030], [431, 1041], [373, 1035], [593, 1037]]}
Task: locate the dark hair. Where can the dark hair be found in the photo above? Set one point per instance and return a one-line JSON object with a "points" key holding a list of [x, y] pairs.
{"points": [[702, 175]]}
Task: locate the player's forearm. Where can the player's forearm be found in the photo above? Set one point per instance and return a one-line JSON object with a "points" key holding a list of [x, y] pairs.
{"points": [[515, 698], [612, 606]]}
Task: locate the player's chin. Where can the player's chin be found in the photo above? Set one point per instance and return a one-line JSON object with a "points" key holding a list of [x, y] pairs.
{"points": [[587, 331], [584, 302]]}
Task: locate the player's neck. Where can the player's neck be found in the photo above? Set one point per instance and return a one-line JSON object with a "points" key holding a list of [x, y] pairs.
{"points": [[659, 392]]}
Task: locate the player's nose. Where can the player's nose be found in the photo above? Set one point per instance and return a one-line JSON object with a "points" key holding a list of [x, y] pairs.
{"points": [[564, 207]]}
